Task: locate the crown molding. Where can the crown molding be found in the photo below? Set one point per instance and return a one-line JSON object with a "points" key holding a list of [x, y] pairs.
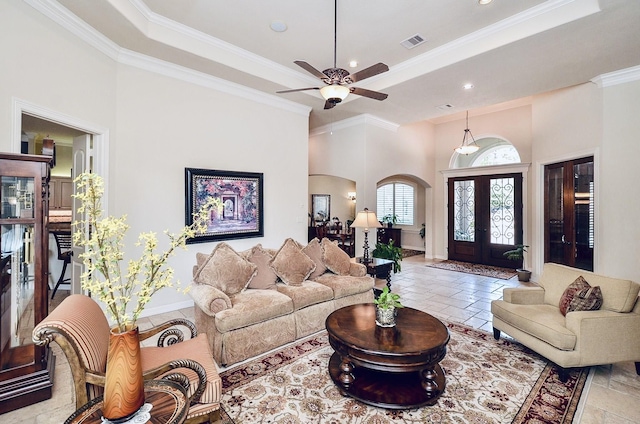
{"points": [[59, 14], [364, 119], [547, 15], [618, 77], [171, 70]]}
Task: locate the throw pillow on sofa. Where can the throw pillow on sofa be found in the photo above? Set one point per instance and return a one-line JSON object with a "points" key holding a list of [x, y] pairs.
{"points": [[566, 298], [226, 270], [335, 258], [314, 251], [265, 277], [291, 264], [587, 299]]}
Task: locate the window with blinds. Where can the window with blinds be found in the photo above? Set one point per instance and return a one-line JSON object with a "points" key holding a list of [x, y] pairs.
{"points": [[398, 199]]}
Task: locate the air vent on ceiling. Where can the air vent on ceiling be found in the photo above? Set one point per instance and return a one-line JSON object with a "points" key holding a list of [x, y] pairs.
{"points": [[445, 107], [414, 41]]}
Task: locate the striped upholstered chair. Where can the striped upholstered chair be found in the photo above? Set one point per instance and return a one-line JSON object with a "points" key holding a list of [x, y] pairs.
{"points": [[78, 325]]}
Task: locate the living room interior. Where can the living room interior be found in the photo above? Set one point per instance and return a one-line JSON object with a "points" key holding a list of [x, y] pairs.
{"points": [[160, 89]]}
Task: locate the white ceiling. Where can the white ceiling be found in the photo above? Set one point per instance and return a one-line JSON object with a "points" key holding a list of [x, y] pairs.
{"points": [[509, 49]]}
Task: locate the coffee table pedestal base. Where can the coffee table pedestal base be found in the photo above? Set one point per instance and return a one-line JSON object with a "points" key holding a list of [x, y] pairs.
{"points": [[404, 390]]}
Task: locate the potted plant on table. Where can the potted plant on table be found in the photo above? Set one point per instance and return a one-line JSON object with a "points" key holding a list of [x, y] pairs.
{"points": [[386, 305], [390, 252], [101, 239], [517, 254], [390, 219]]}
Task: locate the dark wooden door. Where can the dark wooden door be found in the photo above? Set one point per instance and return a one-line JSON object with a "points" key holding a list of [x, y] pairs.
{"points": [[569, 213], [485, 218]]}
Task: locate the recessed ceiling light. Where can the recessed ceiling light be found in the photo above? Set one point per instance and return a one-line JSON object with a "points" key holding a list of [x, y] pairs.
{"points": [[278, 26], [483, 2], [353, 64], [468, 86]]}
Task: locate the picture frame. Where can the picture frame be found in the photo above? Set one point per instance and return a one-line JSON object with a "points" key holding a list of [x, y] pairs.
{"points": [[240, 214], [320, 207]]}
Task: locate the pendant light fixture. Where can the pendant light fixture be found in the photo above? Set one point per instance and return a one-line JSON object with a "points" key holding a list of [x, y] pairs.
{"points": [[467, 146]]}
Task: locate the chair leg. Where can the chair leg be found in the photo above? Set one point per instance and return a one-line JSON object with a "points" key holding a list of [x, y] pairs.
{"points": [[60, 279], [496, 333], [563, 374], [638, 368]]}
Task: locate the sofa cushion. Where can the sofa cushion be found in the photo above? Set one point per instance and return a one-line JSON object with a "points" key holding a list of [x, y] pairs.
{"points": [[314, 251], [343, 286], [251, 307], [291, 264], [618, 295], [308, 293], [226, 270], [544, 322], [566, 298], [335, 258], [265, 277]]}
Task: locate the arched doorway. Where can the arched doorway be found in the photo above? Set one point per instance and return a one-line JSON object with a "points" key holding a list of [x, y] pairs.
{"points": [[484, 203]]}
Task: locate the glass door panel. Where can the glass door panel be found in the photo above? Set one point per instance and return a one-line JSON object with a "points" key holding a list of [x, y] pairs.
{"points": [[583, 215], [502, 213], [464, 210]]}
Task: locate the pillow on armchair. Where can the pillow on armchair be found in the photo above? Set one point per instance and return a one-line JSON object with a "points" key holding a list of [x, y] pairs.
{"points": [[580, 296]]}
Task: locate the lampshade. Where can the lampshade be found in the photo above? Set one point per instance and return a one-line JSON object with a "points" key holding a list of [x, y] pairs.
{"points": [[467, 146], [366, 219], [334, 92]]}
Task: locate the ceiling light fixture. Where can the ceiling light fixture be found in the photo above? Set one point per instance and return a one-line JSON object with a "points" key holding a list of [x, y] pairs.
{"points": [[334, 93], [467, 147], [483, 2], [278, 26], [468, 86]]}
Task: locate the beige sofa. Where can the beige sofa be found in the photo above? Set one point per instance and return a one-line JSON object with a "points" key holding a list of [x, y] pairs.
{"points": [[610, 334], [253, 301]]}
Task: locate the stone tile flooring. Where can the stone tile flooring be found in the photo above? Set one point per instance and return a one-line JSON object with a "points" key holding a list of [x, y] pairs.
{"points": [[612, 394]]}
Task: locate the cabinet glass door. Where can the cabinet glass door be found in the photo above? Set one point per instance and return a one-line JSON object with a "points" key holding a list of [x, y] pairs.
{"points": [[17, 270]]}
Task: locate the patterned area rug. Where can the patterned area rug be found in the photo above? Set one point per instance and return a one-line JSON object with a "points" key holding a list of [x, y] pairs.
{"points": [[410, 252], [488, 381], [469, 268]]}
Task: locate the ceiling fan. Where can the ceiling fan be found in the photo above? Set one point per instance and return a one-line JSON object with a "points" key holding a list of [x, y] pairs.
{"points": [[338, 79]]}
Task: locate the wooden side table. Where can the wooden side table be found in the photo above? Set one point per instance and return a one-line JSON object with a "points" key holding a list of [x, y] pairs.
{"points": [[169, 400], [378, 268]]}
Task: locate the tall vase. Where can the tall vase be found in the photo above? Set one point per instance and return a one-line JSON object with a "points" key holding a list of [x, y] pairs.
{"points": [[124, 386]]}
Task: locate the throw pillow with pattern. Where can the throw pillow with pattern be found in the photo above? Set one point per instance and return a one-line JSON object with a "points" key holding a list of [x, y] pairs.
{"points": [[565, 300]]}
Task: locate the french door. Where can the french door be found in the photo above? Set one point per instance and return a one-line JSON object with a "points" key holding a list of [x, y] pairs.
{"points": [[569, 213], [485, 218]]}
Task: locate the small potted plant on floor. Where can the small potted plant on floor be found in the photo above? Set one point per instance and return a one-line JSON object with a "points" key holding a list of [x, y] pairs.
{"points": [[517, 254], [386, 305]]}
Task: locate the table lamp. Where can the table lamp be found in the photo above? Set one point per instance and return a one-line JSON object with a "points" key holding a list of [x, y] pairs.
{"points": [[366, 219]]}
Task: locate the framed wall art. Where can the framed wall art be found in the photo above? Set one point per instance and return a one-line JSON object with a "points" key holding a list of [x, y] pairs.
{"points": [[321, 207], [240, 211]]}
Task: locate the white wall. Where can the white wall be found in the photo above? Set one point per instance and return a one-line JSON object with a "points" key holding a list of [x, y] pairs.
{"points": [[618, 230], [341, 206], [158, 126]]}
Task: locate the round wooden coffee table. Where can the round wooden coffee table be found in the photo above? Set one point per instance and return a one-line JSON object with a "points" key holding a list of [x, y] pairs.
{"points": [[396, 367]]}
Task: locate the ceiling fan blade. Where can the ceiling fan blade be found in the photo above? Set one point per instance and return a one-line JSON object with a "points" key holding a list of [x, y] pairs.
{"points": [[368, 93], [313, 71], [297, 89], [329, 105], [376, 69]]}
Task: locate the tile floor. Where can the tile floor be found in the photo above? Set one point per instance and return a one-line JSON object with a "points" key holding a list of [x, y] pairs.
{"points": [[612, 395]]}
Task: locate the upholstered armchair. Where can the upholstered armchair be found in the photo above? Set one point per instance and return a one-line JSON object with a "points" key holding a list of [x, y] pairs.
{"points": [[78, 325], [609, 334]]}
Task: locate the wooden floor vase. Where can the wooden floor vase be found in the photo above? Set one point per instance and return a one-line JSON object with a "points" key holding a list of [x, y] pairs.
{"points": [[124, 386]]}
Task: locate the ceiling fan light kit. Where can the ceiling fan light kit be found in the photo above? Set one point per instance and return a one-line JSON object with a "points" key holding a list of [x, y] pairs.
{"points": [[337, 80]]}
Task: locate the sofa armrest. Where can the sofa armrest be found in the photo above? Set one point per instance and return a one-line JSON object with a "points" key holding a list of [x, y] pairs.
{"points": [[606, 336], [209, 299], [524, 295], [357, 269]]}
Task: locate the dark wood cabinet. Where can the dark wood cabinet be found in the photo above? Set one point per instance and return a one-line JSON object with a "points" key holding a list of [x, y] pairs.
{"points": [[385, 234], [60, 192], [26, 370]]}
